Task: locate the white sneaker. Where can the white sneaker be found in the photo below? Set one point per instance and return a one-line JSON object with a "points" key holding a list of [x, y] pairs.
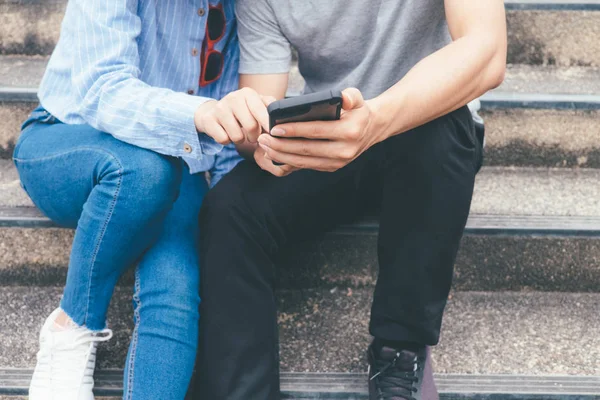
{"points": [[65, 362]]}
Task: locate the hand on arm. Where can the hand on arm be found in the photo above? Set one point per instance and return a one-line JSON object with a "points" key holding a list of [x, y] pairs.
{"points": [[444, 81]]}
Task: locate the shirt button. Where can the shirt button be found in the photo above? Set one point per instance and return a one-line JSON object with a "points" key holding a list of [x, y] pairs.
{"points": [[201, 12], [190, 91], [194, 52], [187, 148]]}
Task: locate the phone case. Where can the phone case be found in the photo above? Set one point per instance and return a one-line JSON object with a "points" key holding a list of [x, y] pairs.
{"points": [[320, 106]]}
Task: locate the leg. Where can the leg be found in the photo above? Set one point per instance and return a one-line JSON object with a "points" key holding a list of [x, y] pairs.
{"points": [[163, 347], [428, 183], [246, 219], [429, 175], [114, 194]]}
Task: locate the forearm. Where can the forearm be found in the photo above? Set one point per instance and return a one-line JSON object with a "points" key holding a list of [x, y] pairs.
{"points": [[111, 95], [439, 84], [153, 118]]}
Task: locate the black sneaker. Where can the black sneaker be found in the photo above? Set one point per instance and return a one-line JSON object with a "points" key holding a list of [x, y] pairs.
{"points": [[401, 375]]}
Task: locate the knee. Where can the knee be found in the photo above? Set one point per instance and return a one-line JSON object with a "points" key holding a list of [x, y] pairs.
{"points": [[150, 180]]}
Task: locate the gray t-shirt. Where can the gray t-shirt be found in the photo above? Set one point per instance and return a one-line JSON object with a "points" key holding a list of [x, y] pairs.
{"points": [[369, 44]]}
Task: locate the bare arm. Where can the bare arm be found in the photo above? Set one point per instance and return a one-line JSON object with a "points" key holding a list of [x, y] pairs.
{"points": [[465, 69], [273, 85]]}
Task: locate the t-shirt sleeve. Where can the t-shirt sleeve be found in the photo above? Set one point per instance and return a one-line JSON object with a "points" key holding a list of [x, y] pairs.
{"points": [[263, 47]]}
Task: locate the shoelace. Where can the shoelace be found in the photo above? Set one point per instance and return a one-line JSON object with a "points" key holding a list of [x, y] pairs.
{"points": [[392, 382], [66, 361]]}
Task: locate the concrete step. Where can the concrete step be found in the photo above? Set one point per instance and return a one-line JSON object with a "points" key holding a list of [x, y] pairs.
{"points": [[540, 116], [352, 386], [540, 32], [326, 331], [551, 257]]}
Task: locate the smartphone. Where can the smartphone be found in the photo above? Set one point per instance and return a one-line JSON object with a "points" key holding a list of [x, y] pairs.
{"points": [[319, 106]]}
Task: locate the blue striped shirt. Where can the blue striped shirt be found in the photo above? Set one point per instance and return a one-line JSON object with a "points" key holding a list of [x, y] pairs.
{"points": [[131, 68]]}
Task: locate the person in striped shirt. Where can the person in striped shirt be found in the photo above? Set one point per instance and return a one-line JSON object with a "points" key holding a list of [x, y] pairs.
{"points": [[134, 109]]}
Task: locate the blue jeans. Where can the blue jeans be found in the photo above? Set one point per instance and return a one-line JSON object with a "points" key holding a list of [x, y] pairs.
{"points": [[128, 206]]}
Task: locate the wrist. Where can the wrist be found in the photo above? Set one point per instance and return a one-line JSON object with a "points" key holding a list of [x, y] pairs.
{"points": [[200, 112], [379, 120], [388, 115]]}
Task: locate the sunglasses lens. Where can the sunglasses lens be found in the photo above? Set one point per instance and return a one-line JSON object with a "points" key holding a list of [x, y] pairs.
{"points": [[214, 64], [216, 23]]}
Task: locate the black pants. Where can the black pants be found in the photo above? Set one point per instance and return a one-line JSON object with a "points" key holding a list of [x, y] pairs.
{"points": [[422, 181]]}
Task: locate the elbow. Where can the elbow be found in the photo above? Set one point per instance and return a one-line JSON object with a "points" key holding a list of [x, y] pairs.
{"points": [[495, 70], [496, 73]]}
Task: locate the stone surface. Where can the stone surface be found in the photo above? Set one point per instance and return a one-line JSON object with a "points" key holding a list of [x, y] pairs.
{"points": [[27, 72], [560, 138], [535, 37], [550, 138], [537, 191], [519, 137], [554, 37], [12, 116], [326, 331], [498, 190], [40, 256], [22, 71], [551, 79], [30, 27]]}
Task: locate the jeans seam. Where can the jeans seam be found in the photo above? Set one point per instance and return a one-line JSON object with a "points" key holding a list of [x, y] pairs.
{"points": [[134, 336], [101, 237], [71, 151]]}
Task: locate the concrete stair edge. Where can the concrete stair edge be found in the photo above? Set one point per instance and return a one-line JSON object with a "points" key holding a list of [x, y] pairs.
{"points": [[349, 386]]}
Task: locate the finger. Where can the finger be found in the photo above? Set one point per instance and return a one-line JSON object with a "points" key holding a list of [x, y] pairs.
{"points": [[267, 100], [259, 110], [307, 130], [352, 98], [266, 164], [250, 126], [309, 147], [303, 162], [216, 131], [231, 125]]}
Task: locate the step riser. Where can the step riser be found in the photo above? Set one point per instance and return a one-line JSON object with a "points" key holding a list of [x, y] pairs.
{"points": [[491, 263], [30, 28], [515, 137], [12, 116], [542, 138], [535, 37], [482, 333], [554, 37], [351, 386]]}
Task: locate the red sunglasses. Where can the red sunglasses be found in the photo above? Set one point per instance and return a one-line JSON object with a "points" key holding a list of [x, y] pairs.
{"points": [[211, 60]]}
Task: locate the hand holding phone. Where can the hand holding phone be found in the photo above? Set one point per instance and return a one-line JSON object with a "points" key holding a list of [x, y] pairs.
{"points": [[328, 145], [319, 106]]}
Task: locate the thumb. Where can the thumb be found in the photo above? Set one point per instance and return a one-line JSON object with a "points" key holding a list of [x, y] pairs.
{"points": [[351, 99]]}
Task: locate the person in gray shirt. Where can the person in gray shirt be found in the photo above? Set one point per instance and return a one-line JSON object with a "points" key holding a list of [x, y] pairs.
{"points": [[405, 145]]}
